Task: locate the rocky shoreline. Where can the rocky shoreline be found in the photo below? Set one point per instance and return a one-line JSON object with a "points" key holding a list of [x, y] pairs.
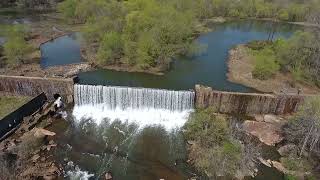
{"points": [[27, 153]]}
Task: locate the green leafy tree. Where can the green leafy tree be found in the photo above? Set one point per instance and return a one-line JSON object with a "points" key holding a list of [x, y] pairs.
{"points": [[68, 8], [111, 48], [207, 128], [15, 48], [216, 149], [265, 65]]}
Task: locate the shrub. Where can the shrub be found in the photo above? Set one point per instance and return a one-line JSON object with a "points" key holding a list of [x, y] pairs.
{"points": [[15, 48], [207, 128], [111, 48], [265, 65], [296, 164], [257, 45], [283, 15]]}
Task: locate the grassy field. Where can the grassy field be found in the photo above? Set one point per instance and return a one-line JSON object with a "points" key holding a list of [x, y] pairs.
{"points": [[10, 103]]}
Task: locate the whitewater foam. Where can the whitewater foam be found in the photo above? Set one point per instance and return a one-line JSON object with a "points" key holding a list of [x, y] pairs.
{"points": [[142, 106], [78, 174], [142, 117]]}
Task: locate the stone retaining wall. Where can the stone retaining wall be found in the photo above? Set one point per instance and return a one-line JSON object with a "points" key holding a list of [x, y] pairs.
{"points": [[32, 86], [246, 103]]}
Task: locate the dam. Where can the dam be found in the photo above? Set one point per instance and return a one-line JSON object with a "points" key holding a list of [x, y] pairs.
{"points": [[122, 97]]}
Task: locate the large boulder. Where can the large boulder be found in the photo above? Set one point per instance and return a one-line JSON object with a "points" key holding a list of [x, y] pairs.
{"points": [[287, 149], [268, 133]]}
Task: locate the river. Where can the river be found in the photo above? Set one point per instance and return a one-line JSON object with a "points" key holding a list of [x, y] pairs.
{"points": [[144, 143], [208, 68]]}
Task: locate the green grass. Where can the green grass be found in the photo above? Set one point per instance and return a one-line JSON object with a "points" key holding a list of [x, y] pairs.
{"points": [[10, 103]]}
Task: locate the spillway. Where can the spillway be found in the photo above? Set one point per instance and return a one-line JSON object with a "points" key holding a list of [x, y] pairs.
{"points": [[143, 106]]}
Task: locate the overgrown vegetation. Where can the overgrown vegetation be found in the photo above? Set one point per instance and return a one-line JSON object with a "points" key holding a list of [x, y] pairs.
{"points": [[15, 48], [219, 149], [304, 128], [304, 131], [275, 9], [298, 55]]}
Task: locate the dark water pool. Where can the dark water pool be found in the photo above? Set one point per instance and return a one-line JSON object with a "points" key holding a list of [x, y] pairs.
{"points": [[209, 68]]}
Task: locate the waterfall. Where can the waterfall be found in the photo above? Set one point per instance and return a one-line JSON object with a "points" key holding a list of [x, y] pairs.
{"points": [[143, 106], [133, 98]]}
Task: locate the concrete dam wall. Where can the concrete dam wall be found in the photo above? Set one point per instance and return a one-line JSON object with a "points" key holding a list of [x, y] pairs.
{"points": [[246, 103], [223, 102], [33, 86]]}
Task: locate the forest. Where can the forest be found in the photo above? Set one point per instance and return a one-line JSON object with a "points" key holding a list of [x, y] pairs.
{"points": [[149, 33], [145, 34]]}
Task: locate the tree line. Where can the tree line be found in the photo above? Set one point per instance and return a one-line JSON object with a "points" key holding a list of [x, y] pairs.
{"points": [[148, 33]]}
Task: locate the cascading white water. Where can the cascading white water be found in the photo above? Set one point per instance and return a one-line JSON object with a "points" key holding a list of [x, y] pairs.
{"points": [[141, 105], [114, 97]]}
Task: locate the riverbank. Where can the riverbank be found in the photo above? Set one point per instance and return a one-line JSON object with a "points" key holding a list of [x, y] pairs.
{"points": [[241, 65], [35, 70]]}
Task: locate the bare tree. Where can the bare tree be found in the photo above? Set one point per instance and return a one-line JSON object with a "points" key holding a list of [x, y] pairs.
{"points": [[304, 129]]}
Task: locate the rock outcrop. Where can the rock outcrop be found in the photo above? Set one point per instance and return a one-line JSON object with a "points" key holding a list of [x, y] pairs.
{"points": [[32, 148], [287, 149], [268, 133]]}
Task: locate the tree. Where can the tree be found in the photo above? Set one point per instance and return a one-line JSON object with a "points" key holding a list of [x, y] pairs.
{"points": [[304, 128], [15, 47], [219, 147], [68, 8], [207, 128], [111, 48], [265, 65]]}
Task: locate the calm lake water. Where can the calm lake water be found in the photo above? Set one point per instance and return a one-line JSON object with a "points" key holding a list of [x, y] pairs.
{"points": [[209, 68], [60, 51]]}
